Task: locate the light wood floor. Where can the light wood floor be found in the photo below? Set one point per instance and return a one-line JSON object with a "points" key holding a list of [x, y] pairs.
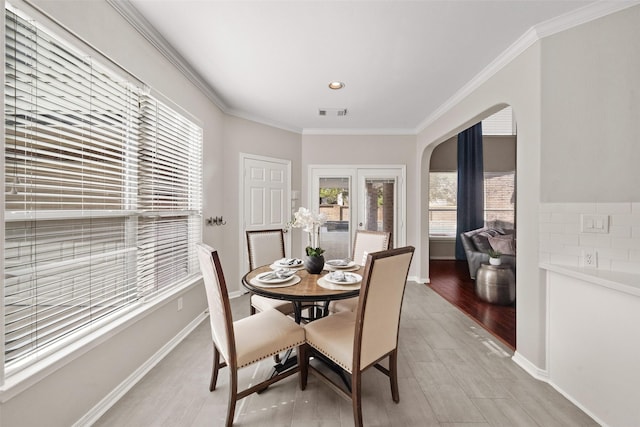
{"points": [[452, 373]]}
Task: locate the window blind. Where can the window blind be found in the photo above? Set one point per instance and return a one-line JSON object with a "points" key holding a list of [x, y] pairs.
{"points": [[500, 123], [102, 193], [170, 189]]}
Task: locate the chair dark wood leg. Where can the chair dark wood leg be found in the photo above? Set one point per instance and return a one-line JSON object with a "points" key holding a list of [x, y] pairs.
{"points": [[303, 363], [393, 375], [216, 368], [356, 399], [233, 394]]}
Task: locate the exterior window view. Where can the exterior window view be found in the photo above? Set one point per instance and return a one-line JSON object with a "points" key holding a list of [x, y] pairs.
{"points": [[232, 213], [499, 201]]}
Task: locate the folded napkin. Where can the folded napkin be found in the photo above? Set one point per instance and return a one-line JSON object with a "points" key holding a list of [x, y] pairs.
{"points": [[289, 261], [339, 276]]}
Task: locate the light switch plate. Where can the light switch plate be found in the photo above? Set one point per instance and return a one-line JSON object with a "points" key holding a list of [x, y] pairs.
{"points": [[592, 223]]}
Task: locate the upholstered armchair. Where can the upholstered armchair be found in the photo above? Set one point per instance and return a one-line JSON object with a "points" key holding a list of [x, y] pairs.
{"points": [[478, 243]]}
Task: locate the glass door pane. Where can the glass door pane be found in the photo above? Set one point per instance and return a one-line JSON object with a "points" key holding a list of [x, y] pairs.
{"points": [[379, 205], [334, 202]]}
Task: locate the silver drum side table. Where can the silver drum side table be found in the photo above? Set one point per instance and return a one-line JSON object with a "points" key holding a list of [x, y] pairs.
{"points": [[496, 284]]}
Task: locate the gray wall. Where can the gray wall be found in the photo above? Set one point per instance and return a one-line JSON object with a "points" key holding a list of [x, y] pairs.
{"points": [[499, 153], [591, 111]]}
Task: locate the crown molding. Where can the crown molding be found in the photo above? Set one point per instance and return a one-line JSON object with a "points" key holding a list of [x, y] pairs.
{"points": [[583, 15], [368, 131], [548, 28], [252, 118], [140, 23]]}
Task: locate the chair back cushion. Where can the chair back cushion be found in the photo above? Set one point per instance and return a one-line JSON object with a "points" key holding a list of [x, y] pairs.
{"points": [[378, 315], [264, 247], [367, 242], [217, 299]]}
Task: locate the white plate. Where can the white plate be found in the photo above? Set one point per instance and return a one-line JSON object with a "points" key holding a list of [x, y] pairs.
{"points": [[340, 263], [350, 279], [284, 264], [260, 279]]}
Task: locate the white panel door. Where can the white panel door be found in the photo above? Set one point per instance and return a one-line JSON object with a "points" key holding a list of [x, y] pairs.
{"points": [[266, 185], [266, 189]]}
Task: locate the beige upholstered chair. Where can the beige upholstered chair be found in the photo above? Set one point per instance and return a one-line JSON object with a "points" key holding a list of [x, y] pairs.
{"points": [[364, 243], [264, 247], [358, 340], [247, 340]]}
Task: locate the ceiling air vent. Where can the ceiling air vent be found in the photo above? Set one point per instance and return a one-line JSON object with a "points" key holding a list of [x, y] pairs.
{"points": [[332, 112]]}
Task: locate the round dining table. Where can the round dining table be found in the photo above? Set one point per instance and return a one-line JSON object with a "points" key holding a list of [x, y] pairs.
{"points": [[304, 293]]}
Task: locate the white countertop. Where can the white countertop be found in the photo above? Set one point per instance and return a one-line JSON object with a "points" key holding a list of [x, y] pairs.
{"points": [[624, 282]]}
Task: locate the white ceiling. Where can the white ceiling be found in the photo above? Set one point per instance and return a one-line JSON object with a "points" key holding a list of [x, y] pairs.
{"points": [[271, 61]]}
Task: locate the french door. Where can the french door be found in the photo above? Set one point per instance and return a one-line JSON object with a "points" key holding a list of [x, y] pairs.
{"points": [[359, 197]]}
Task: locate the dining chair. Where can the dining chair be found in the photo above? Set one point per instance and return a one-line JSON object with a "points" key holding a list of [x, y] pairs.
{"points": [[364, 243], [265, 247], [355, 341], [245, 341]]}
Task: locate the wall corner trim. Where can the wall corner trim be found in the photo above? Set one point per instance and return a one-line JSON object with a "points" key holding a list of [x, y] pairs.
{"points": [[530, 368]]}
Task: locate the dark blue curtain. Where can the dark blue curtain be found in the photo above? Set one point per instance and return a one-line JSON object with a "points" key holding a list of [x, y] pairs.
{"points": [[470, 184]]}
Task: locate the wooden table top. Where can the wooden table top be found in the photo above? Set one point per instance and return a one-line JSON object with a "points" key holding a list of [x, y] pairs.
{"points": [[306, 290]]}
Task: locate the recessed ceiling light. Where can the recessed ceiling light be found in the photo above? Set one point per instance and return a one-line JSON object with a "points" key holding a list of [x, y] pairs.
{"points": [[336, 85]]}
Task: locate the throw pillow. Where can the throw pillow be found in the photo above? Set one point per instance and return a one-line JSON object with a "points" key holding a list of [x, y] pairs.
{"points": [[481, 240], [503, 244]]}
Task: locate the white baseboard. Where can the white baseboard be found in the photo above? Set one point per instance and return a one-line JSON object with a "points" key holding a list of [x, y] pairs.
{"points": [[109, 400], [543, 375], [530, 368], [575, 402]]}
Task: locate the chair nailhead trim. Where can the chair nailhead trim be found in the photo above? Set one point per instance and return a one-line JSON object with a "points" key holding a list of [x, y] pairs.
{"points": [[348, 369], [272, 354]]}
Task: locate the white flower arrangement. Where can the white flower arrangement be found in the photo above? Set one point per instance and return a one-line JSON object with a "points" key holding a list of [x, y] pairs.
{"points": [[310, 222]]}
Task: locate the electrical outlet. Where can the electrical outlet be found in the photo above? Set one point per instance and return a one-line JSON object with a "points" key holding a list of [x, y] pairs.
{"points": [[179, 303], [589, 258]]}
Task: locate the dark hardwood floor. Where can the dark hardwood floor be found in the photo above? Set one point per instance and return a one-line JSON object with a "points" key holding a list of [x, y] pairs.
{"points": [[451, 280]]}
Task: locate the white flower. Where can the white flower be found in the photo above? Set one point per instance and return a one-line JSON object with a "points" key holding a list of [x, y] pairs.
{"points": [[309, 222]]}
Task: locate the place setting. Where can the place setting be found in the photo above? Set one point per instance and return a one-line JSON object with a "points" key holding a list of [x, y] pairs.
{"points": [[276, 278], [288, 263], [340, 280], [341, 265]]}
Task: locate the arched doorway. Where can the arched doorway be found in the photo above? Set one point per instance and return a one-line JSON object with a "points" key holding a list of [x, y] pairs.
{"points": [[451, 278]]}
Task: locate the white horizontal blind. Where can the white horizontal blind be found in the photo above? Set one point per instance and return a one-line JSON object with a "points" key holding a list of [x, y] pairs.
{"points": [[169, 196], [500, 123], [86, 222]]}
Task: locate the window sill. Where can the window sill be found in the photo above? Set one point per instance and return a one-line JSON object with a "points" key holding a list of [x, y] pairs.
{"points": [[23, 379], [442, 238]]}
